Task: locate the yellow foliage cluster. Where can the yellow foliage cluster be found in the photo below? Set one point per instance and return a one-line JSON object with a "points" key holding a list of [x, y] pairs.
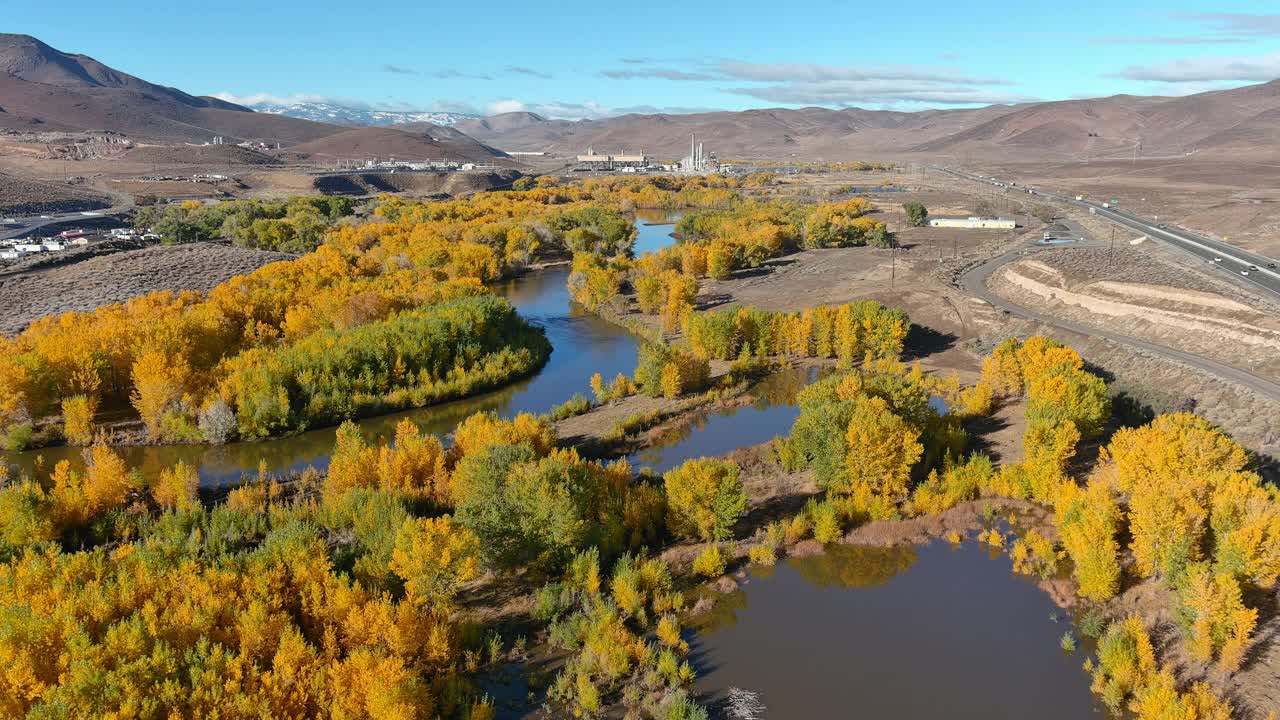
{"points": [[413, 466], [1088, 520], [1033, 554], [849, 332], [705, 498], [167, 354], [1127, 670]]}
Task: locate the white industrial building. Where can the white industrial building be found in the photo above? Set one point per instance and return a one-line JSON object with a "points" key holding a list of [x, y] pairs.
{"points": [[974, 223], [697, 161], [611, 162]]}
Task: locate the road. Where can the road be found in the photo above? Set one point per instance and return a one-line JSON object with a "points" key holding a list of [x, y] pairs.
{"points": [[974, 282], [27, 225], [1258, 270]]}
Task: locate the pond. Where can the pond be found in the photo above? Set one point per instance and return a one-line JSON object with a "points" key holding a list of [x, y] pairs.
{"points": [[937, 631], [582, 344], [654, 228]]}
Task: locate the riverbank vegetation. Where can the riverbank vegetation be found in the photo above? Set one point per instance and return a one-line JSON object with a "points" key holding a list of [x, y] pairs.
{"points": [[371, 590]]}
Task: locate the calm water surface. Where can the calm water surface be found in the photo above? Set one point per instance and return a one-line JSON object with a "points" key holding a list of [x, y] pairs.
{"points": [[771, 414], [653, 229], [930, 632]]}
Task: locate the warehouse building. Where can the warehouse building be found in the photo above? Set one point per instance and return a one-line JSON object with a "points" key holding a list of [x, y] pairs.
{"points": [[974, 223]]}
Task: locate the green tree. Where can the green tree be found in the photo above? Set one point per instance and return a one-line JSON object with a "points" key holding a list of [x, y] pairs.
{"points": [[705, 498], [917, 214]]}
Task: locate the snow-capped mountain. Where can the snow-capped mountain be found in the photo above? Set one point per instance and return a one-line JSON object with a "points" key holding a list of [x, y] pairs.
{"points": [[341, 115]]}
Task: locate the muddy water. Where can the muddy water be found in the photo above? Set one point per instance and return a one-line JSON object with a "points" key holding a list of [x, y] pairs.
{"points": [[771, 414], [929, 632], [582, 344]]}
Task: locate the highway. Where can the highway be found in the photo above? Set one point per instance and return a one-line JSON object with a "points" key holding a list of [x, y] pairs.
{"points": [[28, 225], [974, 282], [1227, 258]]}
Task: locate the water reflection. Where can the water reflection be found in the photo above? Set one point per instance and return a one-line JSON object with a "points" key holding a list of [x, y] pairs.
{"points": [[771, 414], [582, 344], [653, 229], [855, 566], [930, 632]]}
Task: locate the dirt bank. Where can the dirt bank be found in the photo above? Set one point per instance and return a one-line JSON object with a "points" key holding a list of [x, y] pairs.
{"points": [[1204, 321]]}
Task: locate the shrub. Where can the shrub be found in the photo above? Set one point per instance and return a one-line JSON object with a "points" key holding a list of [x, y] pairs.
{"points": [[711, 562], [217, 422], [1033, 554], [77, 419], [574, 406], [433, 556], [705, 498], [826, 522]]}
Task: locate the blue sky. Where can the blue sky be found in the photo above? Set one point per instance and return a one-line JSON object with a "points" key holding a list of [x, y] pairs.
{"points": [[578, 59]]}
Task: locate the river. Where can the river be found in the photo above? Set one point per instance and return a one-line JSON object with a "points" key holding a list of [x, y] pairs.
{"points": [[581, 343]]}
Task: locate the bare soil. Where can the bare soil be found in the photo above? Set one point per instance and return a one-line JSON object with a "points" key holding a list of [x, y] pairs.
{"points": [[1135, 293], [101, 280], [26, 196]]}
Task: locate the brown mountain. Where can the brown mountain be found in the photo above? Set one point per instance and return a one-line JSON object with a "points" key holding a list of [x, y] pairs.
{"points": [[1225, 121], [419, 143], [43, 88]]}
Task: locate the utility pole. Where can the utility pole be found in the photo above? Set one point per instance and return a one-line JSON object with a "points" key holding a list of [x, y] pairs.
{"points": [[1113, 244], [893, 264]]}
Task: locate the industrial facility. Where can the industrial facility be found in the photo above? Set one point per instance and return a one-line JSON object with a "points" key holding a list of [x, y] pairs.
{"points": [[973, 223], [592, 161], [697, 161]]}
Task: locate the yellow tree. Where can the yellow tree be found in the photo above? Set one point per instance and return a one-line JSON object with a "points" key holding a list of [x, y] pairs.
{"points": [[78, 412], [1002, 369], [1220, 624], [434, 556], [176, 487], [882, 449], [1245, 519], [158, 382], [705, 498], [1087, 522]]}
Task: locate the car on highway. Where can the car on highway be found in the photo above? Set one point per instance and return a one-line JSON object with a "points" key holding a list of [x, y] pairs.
{"points": [[1244, 272], [1253, 268], [1217, 259], [1271, 265]]}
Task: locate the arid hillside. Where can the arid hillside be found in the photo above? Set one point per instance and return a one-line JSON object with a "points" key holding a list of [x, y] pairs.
{"points": [[1222, 122]]}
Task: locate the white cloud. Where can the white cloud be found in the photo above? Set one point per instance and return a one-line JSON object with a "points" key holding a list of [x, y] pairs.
{"points": [[1259, 68], [1237, 23], [660, 73], [877, 92], [518, 70], [876, 85], [811, 73]]}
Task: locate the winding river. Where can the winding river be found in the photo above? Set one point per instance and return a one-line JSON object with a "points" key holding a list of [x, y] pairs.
{"points": [[582, 344]]}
